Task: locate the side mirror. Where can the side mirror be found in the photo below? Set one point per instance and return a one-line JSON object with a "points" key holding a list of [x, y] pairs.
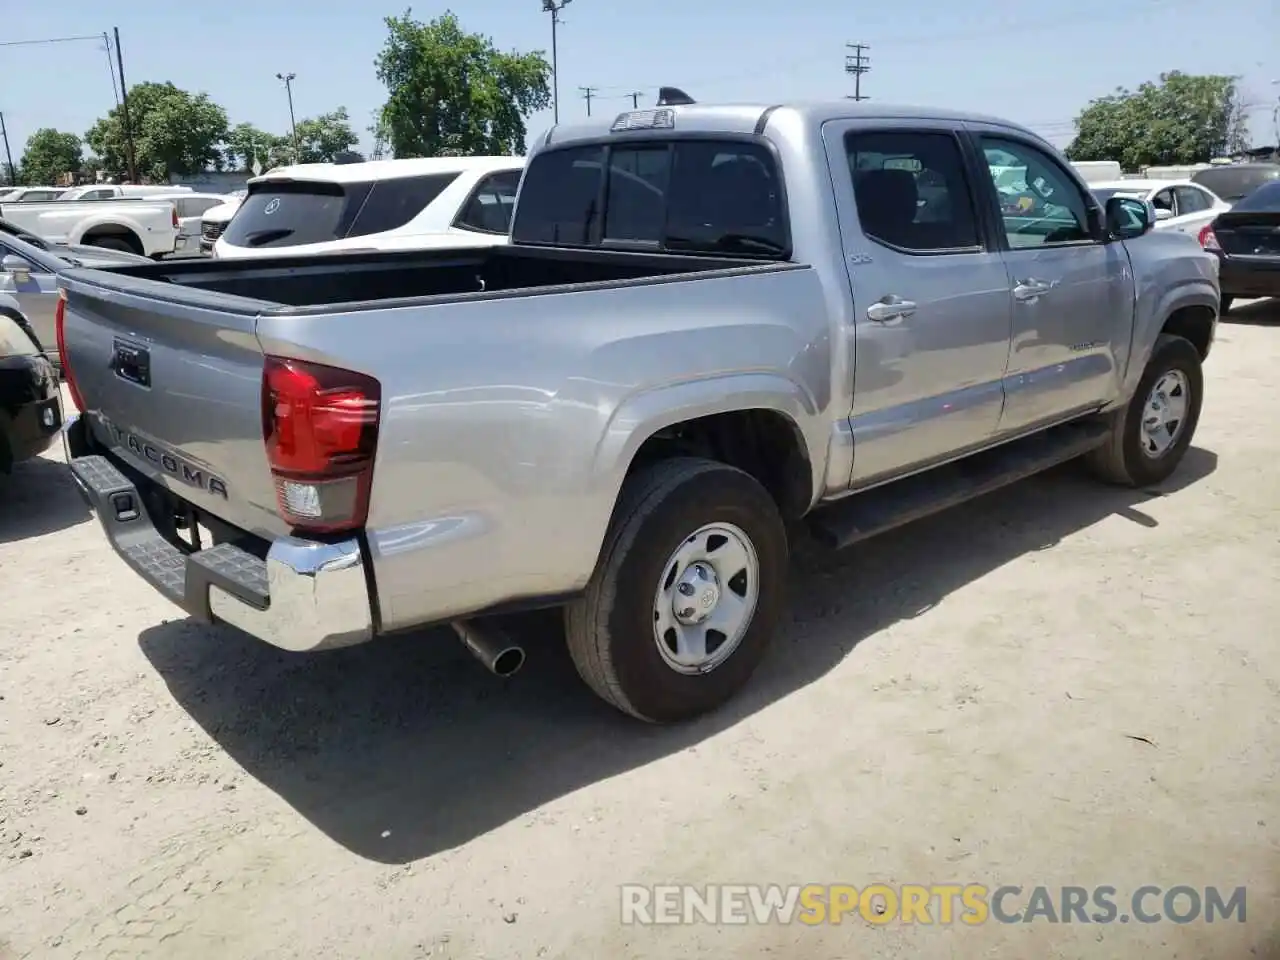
{"points": [[1128, 218], [16, 267], [1163, 213]]}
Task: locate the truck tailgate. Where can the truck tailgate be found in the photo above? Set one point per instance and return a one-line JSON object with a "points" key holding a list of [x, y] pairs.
{"points": [[171, 378]]}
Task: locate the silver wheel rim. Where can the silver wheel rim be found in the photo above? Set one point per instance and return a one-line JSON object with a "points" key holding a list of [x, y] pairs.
{"points": [[1164, 413], [706, 598]]}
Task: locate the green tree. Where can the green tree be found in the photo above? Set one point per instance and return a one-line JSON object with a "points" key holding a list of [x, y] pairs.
{"points": [[244, 142], [453, 93], [1182, 119], [174, 132], [321, 139], [50, 154]]}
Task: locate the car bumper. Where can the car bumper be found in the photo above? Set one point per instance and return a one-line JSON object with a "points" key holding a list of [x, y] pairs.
{"points": [[30, 412], [304, 596], [1251, 277]]}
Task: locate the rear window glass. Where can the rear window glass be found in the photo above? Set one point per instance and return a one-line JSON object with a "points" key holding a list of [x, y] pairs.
{"points": [[1234, 184], [1266, 199], [690, 196], [292, 213], [560, 198]]}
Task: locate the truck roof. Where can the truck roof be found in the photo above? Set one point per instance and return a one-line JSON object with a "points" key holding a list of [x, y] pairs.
{"points": [[743, 118]]}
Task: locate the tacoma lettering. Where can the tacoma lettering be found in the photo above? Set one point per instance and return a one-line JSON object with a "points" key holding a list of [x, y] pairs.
{"points": [[170, 464]]}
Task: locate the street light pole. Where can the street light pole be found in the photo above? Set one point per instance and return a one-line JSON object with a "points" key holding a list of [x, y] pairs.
{"points": [[287, 79], [554, 7]]}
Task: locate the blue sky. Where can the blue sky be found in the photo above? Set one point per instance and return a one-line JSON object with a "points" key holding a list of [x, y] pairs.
{"points": [[1008, 57]]}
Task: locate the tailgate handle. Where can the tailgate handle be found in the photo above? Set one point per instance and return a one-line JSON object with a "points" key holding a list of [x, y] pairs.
{"points": [[132, 362]]}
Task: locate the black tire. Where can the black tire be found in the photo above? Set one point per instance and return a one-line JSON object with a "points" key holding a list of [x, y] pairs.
{"points": [[610, 629], [1224, 305], [112, 243], [1121, 460]]}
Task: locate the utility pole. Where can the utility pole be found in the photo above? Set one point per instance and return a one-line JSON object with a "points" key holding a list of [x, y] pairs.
{"points": [[587, 94], [287, 79], [4, 133], [554, 7], [855, 65], [124, 105], [635, 96]]}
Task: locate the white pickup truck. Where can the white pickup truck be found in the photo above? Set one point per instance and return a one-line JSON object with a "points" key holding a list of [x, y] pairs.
{"points": [[135, 225]]}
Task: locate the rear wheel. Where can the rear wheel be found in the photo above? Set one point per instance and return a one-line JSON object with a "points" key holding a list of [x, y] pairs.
{"points": [[111, 243], [1151, 435], [687, 592]]}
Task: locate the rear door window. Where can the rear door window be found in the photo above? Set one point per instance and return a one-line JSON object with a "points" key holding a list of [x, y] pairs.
{"points": [[912, 191], [1191, 200], [689, 196]]}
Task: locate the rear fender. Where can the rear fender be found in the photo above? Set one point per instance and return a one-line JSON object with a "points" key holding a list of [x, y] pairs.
{"points": [[77, 233], [643, 414]]}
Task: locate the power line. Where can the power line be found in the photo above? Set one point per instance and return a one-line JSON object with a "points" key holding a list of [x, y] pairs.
{"points": [[587, 94], [111, 67], [855, 65], [32, 43]]}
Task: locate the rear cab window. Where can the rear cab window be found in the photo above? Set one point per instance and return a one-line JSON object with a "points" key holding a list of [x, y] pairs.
{"points": [[691, 196], [290, 213]]}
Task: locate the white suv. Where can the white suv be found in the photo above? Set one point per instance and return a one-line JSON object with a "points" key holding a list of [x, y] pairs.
{"points": [[375, 205]]}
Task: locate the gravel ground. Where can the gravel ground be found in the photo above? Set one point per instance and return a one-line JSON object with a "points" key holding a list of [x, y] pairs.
{"points": [[1060, 684]]}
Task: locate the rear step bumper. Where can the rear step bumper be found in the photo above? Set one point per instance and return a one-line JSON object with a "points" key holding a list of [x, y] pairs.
{"points": [[305, 596]]}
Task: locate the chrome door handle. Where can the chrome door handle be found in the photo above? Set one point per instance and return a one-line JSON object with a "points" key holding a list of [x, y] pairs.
{"points": [[889, 309], [1031, 289]]}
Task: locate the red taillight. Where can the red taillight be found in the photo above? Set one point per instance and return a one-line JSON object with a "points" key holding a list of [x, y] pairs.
{"points": [[60, 334], [1207, 238], [320, 425], [174, 208]]}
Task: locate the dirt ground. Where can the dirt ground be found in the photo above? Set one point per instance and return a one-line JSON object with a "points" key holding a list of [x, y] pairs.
{"points": [[1063, 684]]}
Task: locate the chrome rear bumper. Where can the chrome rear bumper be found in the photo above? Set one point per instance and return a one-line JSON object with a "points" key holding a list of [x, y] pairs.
{"points": [[304, 596]]}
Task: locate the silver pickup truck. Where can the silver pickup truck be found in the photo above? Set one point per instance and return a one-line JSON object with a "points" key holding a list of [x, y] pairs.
{"points": [[714, 324]]}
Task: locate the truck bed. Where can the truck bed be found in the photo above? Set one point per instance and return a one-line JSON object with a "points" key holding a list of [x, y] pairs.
{"points": [[346, 281]]}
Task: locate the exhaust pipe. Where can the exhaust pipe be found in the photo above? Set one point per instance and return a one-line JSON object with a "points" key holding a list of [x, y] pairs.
{"points": [[491, 645]]}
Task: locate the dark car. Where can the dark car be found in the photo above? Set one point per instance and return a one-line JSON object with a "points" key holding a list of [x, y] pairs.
{"points": [[1235, 181], [30, 412], [1247, 241]]}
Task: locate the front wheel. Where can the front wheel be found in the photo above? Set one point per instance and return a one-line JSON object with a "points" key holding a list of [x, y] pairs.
{"points": [[1151, 435], [686, 594]]}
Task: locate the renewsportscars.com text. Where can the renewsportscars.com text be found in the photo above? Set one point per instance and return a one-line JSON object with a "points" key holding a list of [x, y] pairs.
{"points": [[970, 904]]}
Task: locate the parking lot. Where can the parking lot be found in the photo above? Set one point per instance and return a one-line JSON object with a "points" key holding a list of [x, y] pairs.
{"points": [[1062, 684]]}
